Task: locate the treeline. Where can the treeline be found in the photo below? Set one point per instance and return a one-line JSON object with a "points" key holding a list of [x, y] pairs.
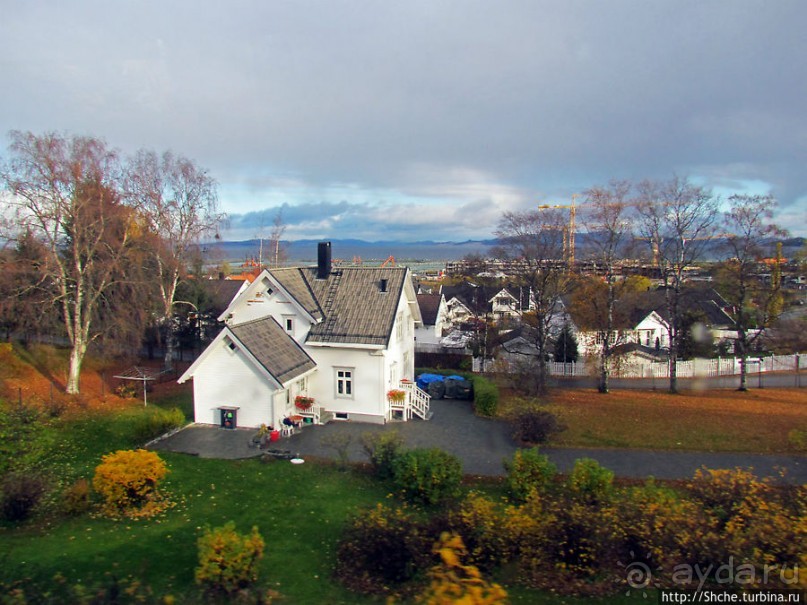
{"points": [[670, 224], [98, 243]]}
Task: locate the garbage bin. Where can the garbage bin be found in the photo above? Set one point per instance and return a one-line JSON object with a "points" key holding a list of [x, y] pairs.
{"points": [[274, 435]]}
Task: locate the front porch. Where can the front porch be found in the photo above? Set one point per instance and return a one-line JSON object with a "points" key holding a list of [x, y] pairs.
{"points": [[414, 403]]}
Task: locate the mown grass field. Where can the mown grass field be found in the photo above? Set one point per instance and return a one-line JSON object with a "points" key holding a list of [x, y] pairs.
{"points": [[719, 420]]}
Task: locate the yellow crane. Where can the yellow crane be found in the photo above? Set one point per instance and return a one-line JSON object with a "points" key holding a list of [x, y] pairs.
{"points": [[568, 232]]}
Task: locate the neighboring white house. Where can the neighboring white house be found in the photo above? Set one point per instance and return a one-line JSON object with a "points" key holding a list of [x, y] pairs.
{"points": [[344, 337], [650, 331], [647, 323], [433, 310]]}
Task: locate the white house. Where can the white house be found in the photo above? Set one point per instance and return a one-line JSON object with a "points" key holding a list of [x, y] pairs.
{"points": [[649, 331], [342, 337], [646, 322], [434, 312]]}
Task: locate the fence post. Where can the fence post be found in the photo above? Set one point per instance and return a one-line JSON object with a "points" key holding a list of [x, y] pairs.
{"points": [[798, 378]]}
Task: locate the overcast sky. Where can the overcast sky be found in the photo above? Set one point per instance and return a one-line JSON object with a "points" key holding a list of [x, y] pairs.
{"points": [[422, 120]]}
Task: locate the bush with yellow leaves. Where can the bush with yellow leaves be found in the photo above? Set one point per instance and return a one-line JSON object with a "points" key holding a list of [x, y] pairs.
{"points": [[228, 560], [128, 480], [481, 523], [454, 583]]}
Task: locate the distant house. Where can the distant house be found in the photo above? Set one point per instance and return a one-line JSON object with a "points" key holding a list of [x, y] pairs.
{"points": [[644, 321], [433, 311], [468, 301], [341, 338]]}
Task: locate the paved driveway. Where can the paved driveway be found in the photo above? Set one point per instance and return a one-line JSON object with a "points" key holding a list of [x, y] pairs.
{"points": [[480, 443]]}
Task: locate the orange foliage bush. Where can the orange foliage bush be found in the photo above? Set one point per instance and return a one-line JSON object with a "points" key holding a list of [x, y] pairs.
{"points": [[127, 480], [454, 582]]}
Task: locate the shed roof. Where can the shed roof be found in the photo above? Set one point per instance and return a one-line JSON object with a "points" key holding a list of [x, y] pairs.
{"points": [[275, 350]]}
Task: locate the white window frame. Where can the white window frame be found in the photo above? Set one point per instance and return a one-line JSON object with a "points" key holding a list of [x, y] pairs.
{"points": [[288, 324], [400, 328], [344, 381]]}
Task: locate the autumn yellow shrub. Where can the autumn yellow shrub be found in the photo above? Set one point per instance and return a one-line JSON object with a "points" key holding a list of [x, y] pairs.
{"points": [[227, 559], [453, 582], [722, 491], [128, 480], [479, 521]]}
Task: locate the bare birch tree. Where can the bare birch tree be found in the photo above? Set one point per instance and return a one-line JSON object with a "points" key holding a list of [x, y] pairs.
{"points": [[677, 219], [757, 303], [534, 240], [180, 204], [279, 256], [608, 222], [65, 191]]}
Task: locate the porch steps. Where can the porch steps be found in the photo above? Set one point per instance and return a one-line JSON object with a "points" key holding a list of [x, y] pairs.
{"points": [[417, 401]]}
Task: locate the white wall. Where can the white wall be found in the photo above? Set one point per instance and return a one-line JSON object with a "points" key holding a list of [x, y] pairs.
{"points": [[369, 395], [227, 378], [255, 303]]}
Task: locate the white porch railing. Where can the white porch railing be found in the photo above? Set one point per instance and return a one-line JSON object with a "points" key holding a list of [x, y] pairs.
{"points": [[416, 402], [314, 413]]}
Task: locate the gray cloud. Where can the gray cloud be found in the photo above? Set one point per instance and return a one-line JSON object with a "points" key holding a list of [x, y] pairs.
{"points": [[387, 117]]}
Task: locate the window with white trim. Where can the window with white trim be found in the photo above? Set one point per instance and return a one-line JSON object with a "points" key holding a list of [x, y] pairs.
{"points": [[400, 329], [344, 383]]}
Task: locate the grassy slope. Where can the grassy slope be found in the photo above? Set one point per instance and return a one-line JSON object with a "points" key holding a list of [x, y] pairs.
{"points": [[298, 509], [719, 420]]}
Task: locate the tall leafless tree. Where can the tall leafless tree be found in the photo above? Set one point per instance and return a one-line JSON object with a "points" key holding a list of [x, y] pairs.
{"points": [[275, 237], [179, 203], [677, 219], [757, 301], [65, 192], [534, 240], [608, 221]]}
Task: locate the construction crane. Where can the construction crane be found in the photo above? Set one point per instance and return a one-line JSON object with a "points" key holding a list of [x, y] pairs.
{"points": [[568, 232], [389, 261]]}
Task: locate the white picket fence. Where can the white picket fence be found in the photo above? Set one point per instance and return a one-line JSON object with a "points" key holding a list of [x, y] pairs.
{"points": [[705, 368]]}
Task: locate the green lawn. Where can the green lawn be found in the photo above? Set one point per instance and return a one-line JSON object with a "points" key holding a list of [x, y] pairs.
{"points": [[299, 509]]}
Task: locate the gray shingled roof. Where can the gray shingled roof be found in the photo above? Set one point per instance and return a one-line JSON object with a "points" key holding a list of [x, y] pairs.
{"points": [[275, 350], [429, 306], [353, 308], [295, 282]]}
